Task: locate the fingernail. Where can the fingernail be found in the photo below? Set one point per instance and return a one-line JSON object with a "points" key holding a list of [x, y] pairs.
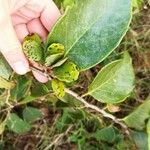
{"points": [[20, 67]]}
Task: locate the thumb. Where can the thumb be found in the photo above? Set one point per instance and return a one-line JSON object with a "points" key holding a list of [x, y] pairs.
{"points": [[11, 48]]}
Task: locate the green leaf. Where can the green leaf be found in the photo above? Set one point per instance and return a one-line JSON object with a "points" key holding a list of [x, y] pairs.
{"points": [[33, 37], [68, 3], [33, 50], [54, 52], [55, 48], [4, 84], [21, 88], [52, 59], [140, 139], [39, 89], [67, 72], [114, 82], [71, 100], [58, 88], [148, 133], [91, 29], [137, 4], [138, 117], [2, 127], [17, 125], [5, 70], [69, 116], [59, 63], [58, 3], [31, 114], [107, 134]]}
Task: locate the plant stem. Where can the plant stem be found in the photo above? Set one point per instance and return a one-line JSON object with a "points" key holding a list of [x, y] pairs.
{"points": [[88, 105], [104, 113]]}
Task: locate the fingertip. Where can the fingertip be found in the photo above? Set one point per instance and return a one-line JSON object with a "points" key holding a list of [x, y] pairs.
{"points": [[17, 61], [20, 67]]}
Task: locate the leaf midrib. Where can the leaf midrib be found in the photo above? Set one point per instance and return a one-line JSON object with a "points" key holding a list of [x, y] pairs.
{"points": [[105, 81]]}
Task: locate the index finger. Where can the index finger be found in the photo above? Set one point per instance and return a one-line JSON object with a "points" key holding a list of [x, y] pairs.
{"points": [[50, 15]]}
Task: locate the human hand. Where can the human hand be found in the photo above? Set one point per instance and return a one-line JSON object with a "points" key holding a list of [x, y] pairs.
{"points": [[18, 18]]}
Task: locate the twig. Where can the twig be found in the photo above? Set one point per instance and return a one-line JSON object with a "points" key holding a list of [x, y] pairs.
{"points": [[58, 138], [87, 105], [104, 113]]}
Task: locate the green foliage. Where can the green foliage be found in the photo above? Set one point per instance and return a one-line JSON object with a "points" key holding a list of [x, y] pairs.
{"points": [[114, 82], [71, 100], [55, 48], [5, 70], [5, 84], [58, 88], [148, 132], [68, 72], [69, 116], [17, 125], [2, 126], [33, 37], [137, 4], [68, 3], [54, 53], [33, 50], [90, 40], [107, 134], [31, 114], [137, 118], [21, 89], [64, 3], [140, 139], [39, 89]]}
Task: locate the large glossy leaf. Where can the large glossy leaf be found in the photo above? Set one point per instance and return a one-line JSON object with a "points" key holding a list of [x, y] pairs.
{"points": [[138, 117], [5, 70], [114, 82], [91, 29]]}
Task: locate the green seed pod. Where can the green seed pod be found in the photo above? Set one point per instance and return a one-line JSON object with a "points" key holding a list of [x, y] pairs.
{"points": [[33, 50]]}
